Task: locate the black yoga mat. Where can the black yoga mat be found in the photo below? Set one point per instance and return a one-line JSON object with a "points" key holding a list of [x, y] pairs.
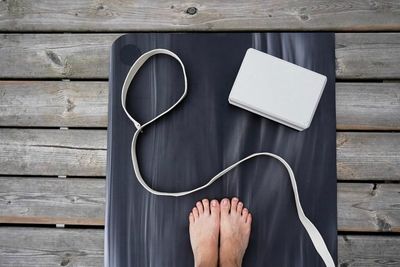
{"points": [[205, 134]]}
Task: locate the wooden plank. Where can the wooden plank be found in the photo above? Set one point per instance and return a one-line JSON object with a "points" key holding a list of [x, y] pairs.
{"points": [[52, 201], [371, 156], [363, 55], [51, 247], [359, 55], [368, 251], [84, 104], [30, 246], [367, 106], [55, 55], [53, 152], [53, 103], [77, 201], [123, 15], [360, 156], [368, 208]]}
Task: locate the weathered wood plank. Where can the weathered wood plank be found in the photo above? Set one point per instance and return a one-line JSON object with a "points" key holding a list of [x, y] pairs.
{"points": [[360, 156], [364, 56], [52, 200], [53, 103], [368, 251], [371, 156], [84, 104], [29, 246], [367, 106], [76, 201], [368, 208], [53, 152], [55, 55], [51, 247], [359, 55], [22, 15]]}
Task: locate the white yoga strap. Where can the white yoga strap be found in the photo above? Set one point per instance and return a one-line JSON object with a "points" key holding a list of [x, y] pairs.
{"points": [[312, 231]]}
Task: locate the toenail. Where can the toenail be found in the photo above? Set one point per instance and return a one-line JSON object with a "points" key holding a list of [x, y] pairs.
{"points": [[214, 203], [235, 199], [225, 202]]}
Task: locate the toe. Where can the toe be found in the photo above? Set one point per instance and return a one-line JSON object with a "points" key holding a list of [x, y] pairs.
{"points": [[239, 207], [249, 218], [195, 212], [245, 212], [191, 218], [234, 204], [206, 206], [199, 206], [214, 207], [225, 206]]}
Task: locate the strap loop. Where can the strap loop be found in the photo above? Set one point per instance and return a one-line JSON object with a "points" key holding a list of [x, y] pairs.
{"points": [[312, 231], [131, 74]]}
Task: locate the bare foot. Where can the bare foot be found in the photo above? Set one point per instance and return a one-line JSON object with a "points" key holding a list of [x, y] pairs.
{"points": [[204, 222], [234, 232]]}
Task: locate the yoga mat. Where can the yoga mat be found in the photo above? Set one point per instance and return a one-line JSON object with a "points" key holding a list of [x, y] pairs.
{"points": [[203, 135]]}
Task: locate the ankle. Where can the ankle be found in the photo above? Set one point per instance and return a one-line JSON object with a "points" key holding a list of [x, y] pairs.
{"points": [[209, 260], [205, 264], [206, 258], [230, 263]]}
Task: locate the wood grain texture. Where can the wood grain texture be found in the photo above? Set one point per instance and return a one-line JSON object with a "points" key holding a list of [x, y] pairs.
{"points": [[368, 251], [360, 156], [53, 103], [368, 106], [51, 247], [52, 200], [368, 207], [359, 106], [123, 15], [358, 55], [364, 56], [371, 156], [53, 152], [31, 246], [78, 201], [55, 55]]}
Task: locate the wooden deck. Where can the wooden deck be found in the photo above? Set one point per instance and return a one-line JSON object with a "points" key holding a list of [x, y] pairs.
{"points": [[53, 116]]}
